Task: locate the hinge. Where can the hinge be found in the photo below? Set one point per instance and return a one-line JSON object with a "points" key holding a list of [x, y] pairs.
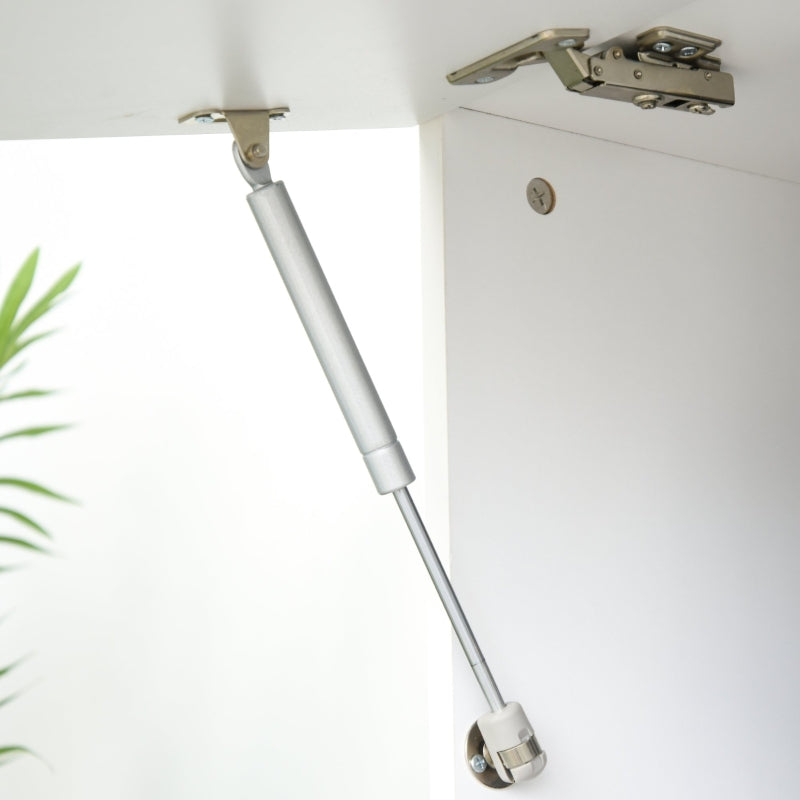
{"points": [[661, 68]]}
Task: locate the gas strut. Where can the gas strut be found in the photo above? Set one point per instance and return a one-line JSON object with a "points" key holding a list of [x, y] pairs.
{"points": [[501, 746]]}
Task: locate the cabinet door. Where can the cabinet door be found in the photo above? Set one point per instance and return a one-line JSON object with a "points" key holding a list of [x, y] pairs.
{"points": [[623, 427]]}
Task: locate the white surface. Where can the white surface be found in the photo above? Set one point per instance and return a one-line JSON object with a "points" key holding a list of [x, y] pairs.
{"points": [[112, 68], [227, 618], [624, 456], [759, 134], [108, 68]]}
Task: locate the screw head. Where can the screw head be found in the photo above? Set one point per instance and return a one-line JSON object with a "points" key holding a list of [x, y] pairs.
{"points": [[662, 47], [256, 151], [637, 73], [598, 70], [707, 76], [541, 196], [204, 119], [485, 79], [688, 51], [646, 101], [568, 43], [616, 52], [701, 108], [478, 763]]}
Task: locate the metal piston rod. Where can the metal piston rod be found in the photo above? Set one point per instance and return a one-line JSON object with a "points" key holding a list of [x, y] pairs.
{"points": [[505, 728], [353, 387]]}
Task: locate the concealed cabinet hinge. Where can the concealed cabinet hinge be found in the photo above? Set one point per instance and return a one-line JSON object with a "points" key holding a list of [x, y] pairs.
{"points": [[661, 68]]}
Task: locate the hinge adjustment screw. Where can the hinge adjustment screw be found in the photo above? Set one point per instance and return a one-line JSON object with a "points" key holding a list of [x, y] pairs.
{"points": [[701, 108], [646, 101]]}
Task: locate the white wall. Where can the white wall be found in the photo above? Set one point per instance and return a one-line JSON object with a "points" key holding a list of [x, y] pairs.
{"points": [[623, 406], [234, 611]]}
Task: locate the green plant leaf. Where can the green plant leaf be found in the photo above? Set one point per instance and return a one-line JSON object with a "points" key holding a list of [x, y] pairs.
{"points": [[11, 373], [13, 540], [10, 752], [4, 701], [38, 430], [28, 393], [14, 347], [47, 301], [36, 488], [25, 520], [11, 667], [15, 295]]}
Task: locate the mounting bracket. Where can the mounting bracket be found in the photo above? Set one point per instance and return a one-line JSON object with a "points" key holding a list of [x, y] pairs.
{"points": [[661, 68], [250, 130]]}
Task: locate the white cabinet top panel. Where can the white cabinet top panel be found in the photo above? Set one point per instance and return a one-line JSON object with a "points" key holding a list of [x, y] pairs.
{"points": [[85, 68], [89, 68]]}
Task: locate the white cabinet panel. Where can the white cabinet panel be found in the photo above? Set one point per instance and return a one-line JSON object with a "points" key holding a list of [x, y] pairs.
{"points": [[111, 68], [623, 403]]}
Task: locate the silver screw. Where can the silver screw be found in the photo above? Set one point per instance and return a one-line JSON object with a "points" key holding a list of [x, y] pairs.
{"points": [[688, 51], [568, 43], [204, 118], [707, 76], [646, 101], [637, 73], [662, 47], [485, 79], [701, 108], [478, 763], [598, 70], [278, 117], [616, 52]]}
